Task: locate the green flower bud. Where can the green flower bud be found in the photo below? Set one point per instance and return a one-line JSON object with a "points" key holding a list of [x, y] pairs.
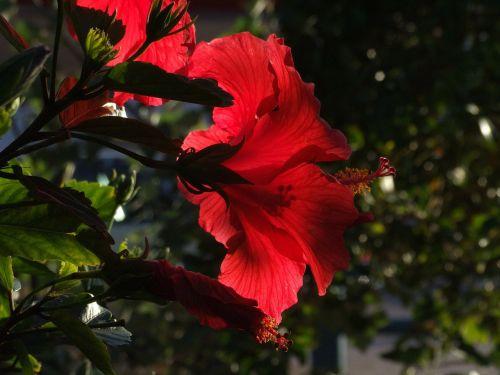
{"points": [[98, 47]]}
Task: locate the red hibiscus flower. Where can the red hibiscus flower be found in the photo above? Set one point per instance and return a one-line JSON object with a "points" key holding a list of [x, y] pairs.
{"points": [[291, 215], [170, 53], [215, 304]]}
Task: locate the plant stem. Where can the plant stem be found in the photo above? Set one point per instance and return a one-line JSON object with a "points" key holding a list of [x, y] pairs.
{"points": [[57, 40], [15, 335], [47, 114], [148, 162], [140, 51], [74, 276], [44, 80], [18, 314], [42, 144], [75, 304]]}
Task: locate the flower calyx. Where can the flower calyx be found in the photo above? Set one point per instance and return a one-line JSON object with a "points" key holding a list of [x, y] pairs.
{"points": [[203, 171], [96, 30]]}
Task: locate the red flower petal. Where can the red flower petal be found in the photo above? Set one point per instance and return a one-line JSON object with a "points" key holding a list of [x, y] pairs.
{"points": [[275, 111], [241, 66], [319, 213], [170, 53], [256, 269], [83, 109]]}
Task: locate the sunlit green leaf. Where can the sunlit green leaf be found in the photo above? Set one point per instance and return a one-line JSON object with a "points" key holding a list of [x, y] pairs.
{"points": [[103, 198], [6, 273], [42, 232]]}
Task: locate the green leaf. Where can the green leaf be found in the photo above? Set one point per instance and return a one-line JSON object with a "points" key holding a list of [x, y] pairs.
{"points": [[130, 130], [66, 268], [12, 192], [40, 233], [18, 73], [4, 305], [6, 273], [103, 198], [6, 114], [24, 358], [149, 80], [29, 267], [5, 121], [83, 337], [71, 201]]}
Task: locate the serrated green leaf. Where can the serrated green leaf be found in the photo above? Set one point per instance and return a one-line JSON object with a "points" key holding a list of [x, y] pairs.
{"points": [[103, 198], [19, 72], [6, 273], [12, 192], [68, 199], [40, 233], [149, 80], [83, 337]]}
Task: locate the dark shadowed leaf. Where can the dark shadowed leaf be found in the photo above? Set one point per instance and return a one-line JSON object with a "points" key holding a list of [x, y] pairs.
{"points": [[83, 337], [149, 80], [19, 72], [26, 266], [130, 130]]}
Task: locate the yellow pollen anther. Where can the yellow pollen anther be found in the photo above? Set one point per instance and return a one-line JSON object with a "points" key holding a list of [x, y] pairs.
{"points": [[267, 332], [359, 180]]}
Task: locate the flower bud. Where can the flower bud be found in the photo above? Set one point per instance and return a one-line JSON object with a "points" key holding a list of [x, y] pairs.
{"points": [[98, 47], [161, 22]]}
